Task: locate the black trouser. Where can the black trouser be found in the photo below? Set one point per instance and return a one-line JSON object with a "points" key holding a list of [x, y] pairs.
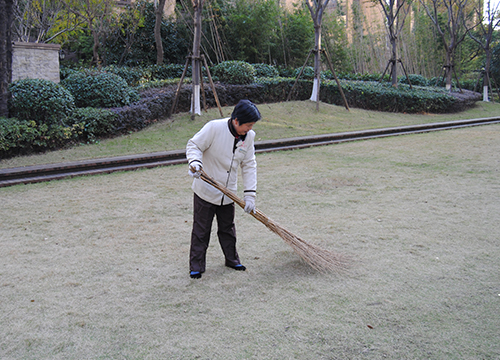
{"points": [[203, 216]]}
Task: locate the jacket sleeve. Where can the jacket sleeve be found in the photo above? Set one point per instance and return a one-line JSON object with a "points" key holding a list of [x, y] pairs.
{"points": [[198, 144], [249, 170]]}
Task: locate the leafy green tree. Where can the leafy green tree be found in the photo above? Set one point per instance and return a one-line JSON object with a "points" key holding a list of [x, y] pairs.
{"points": [[97, 15], [395, 12], [420, 45], [452, 31], [143, 50], [335, 40], [38, 20], [298, 36], [317, 8], [252, 30], [484, 36]]}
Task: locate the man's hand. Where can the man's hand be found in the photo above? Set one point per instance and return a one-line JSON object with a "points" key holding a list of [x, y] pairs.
{"points": [[194, 170], [249, 204]]}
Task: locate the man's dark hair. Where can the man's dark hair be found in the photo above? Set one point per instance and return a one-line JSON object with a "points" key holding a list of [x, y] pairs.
{"points": [[246, 112]]}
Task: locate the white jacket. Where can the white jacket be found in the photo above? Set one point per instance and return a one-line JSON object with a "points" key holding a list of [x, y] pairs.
{"points": [[213, 147]]}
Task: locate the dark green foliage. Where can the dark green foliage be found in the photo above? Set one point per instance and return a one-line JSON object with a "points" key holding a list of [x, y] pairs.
{"points": [[384, 97], [143, 50], [42, 101], [17, 135], [99, 89], [251, 29], [297, 38], [495, 65], [437, 81], [93, 123], [417, 80], [132, 75], [168, 71], [89, 123], [307, 73], [362, 77], [234, 72], [65, 71], [265, 70]]}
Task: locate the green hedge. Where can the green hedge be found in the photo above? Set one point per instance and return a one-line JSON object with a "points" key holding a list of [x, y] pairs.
{"points": [[234, 72], [384, 97], [18, 136], [99, 89], [43, 101]]}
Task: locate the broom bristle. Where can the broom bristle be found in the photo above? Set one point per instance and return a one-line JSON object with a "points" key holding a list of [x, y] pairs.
{"points": [[318, 258]]}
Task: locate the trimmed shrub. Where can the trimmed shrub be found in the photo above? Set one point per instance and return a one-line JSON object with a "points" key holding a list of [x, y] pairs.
{"points": [[285, 72], [308, 73], [437, 81], [417, 80], [99, 89], [132, 75], [169, 71], [234, 72], [42, 101], [93, 122], [17, 134], [384, 97], [265, 70]]}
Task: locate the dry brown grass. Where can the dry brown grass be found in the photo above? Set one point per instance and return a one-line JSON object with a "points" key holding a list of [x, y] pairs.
{"points": [[97, 267], [320, 259]]}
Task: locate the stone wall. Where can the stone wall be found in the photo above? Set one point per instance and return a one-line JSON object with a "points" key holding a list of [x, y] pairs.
{"points": [[35, 61]]}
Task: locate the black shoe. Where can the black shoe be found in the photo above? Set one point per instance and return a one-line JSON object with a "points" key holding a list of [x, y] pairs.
{"points": [[238, 267], [195, 275]]}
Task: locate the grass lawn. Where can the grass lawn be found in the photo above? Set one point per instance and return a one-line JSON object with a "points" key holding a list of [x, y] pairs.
{"points": [[97, 267], [280, 120]]}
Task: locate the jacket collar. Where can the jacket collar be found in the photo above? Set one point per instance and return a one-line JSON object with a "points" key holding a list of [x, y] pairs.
{"points": [[233, 131]]}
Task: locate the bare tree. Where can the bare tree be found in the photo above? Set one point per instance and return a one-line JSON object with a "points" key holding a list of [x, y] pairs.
{"points": [[160, 5], [452, 32], [487, 24], [6, 15], [34, 19], [395, 12], [317, 8]]}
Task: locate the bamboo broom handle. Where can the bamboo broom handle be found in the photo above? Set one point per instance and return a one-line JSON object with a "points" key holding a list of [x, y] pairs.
{"points": [[259, 215]]}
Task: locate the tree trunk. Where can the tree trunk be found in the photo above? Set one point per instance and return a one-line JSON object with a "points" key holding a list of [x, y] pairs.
{"points": [[195, 103], [317, 63], [316, 9], [448, 70], [95, 53], [158, 21], [6, 14], [394, 62], [486, 83]]}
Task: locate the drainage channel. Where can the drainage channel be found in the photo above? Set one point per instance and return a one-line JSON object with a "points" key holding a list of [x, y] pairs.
{"points": [[48, 172]]}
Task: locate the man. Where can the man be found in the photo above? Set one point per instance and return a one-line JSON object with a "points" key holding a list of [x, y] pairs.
{"points": [[219, 148]]}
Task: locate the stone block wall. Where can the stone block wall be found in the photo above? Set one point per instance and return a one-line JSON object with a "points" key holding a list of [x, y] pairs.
{"points": [[35, 61]]}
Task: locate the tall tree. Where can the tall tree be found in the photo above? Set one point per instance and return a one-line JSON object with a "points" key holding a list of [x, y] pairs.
{"points": [[159, 18], [487, 22], [35, 20], [395, 12], [317, 8], [196, 73], [6, 15], [95, 14], [452, 32]]}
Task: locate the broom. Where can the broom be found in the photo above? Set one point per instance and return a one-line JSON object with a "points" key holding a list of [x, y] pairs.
{"points": [[318, 258]]}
